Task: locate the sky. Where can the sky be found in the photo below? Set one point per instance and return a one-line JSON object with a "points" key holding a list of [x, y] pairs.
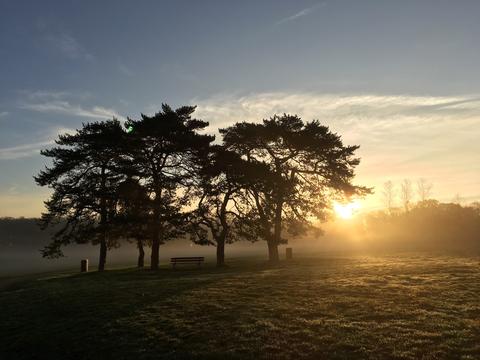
{"points": [[398, 78]]}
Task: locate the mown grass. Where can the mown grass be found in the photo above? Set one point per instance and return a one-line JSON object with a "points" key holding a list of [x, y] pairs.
{"points": [[405, 307]]}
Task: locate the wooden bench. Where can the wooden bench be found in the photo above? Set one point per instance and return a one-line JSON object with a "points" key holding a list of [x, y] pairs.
{"points": [[187, 260]]}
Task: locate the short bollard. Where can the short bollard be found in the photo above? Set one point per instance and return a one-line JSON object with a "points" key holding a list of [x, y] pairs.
{"points": [[289, 253], [84, 265]]}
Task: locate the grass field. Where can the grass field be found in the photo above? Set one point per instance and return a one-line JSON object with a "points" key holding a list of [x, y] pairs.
{"points": [[405, 307]]}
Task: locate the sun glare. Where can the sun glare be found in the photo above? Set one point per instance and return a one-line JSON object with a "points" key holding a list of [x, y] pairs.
{"points": [[346, 211]]}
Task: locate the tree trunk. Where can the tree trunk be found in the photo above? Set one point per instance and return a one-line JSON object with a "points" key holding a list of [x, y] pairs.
{"points": [[103, 222], [155, 250], [277, 234], [220, 253], [155, 254], [103, 255], [273, 251], [154, 259], [141, 254]]}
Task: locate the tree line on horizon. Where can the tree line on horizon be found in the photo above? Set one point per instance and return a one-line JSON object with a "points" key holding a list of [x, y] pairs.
{"points": [[405, 193], [428, 225], [161, 177], [425, 225]]}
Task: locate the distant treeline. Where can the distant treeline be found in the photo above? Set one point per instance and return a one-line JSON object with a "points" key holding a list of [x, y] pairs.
{"points": [[426, 225], [23, 232]]}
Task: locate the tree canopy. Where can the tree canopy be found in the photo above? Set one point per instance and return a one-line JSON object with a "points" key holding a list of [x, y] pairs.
{"points": [[84, 177], [309, 165], [161, 151], [221, 213]]}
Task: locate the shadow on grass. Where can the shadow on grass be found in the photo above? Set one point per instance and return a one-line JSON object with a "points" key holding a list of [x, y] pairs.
{"points": [[363, 307]]}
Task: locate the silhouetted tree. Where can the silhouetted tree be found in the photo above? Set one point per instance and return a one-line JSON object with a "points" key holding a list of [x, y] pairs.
{"points": [[406, 193], [162, 148], [133, 215], [220, 213], [308, 164], [424, 189], [457, 199], [388, 195], [84, 177]]}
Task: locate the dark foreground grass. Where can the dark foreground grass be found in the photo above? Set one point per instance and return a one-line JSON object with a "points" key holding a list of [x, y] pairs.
{"points": [[406, 307]]}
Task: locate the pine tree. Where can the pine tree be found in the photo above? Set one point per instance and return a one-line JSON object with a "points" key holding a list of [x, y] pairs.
{"points": [[308, 165], [162, 148], [221, 213], [133, 215], [84, 177]]}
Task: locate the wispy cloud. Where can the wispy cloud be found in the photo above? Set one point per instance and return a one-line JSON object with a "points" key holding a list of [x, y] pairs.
{"points": [[400, 136], [42, 95], [3, 113], [64, 107], [300, 14], [33, 148], [54, 102], [177, 72], [60, 102], [21, 151], [12, 190], [341, 109], [69, 47], [124, 69]]}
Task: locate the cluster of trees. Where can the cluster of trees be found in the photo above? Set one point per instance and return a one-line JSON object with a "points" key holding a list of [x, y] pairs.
{"points": [[427, 225], [412, 220], [406, 193], [22, 233], [162, 177]]}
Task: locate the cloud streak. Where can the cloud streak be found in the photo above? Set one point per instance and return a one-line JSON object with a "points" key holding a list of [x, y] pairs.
{"points": [[69, 47], [53, 102], [124, 69], [33, 148], [21, 151], [64, 107], [300, 14], [61, 103], [338, 109]]}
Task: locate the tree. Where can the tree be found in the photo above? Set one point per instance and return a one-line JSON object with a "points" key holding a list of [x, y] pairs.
{"points": [[308, 164], [457, 199], [162, 149], [84, 178], [406, 193], [220, 213], [424, 189], [388, 195], [133, 215]]}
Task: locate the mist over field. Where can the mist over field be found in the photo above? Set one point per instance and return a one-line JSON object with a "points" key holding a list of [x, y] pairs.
{"points": [[429, 228], [21, 241]]}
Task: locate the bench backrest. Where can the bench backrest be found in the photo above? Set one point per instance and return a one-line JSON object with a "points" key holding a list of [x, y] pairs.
{"points": [[187, 259]]}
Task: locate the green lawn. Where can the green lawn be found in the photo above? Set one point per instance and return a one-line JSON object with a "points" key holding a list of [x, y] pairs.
{"points": [[404, 307]]}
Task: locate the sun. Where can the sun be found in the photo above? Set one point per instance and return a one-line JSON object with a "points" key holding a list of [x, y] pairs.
{"points": [[346, 211]]}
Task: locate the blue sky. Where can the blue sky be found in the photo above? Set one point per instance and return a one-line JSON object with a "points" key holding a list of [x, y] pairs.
{"points": [[400, 78]]}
